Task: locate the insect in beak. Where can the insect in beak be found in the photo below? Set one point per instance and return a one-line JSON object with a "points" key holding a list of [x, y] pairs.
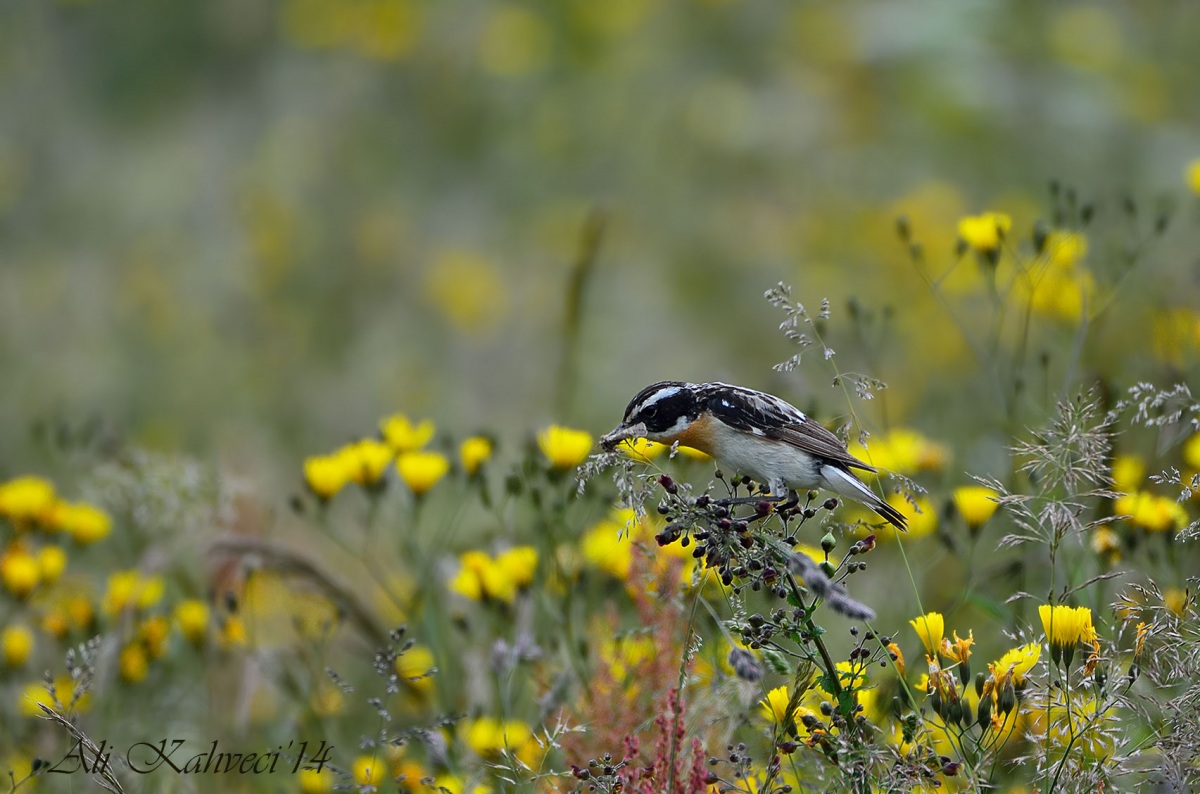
{"points": [[622, 432]]}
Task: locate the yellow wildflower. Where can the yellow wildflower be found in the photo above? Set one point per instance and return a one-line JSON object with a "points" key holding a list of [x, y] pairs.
{"points": [[403, 436], [479, 577], [52, 561], [233, 632], [1016, 663], [985, 232], [920, 523], [85, 523], [642, 450], [26, 500], [326, 700], [564, 447], [325, 475], [894, 649], [1192, 176], [153, 633], [474, 452], [367, 460], [133, 663], [191, 616], [414, 667], [487, 736], [1152, 512], [1065, 628], [607, 545], [129, 589], [930, 627], [1177, 600], [519, 564], [35, 693], [16, 645], [422, 470], [369, 770], [1106, 543], [959, 650], [20, 572], [1191, 451], [774, 706], [315, 781], [1128, 471], [976, 504], [904, 451]]}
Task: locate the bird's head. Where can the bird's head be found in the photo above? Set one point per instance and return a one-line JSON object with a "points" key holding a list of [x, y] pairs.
{"points": [[659, 412]]}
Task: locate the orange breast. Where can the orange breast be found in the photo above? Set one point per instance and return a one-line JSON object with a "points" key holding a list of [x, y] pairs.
{"points": [[697, 435]]}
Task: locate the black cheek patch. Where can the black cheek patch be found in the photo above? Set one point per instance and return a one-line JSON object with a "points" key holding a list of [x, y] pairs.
{"points": [[668, 411]]}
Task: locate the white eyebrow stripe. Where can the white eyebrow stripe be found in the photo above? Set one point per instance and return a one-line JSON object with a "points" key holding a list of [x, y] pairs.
{"points": [[659, 395]]}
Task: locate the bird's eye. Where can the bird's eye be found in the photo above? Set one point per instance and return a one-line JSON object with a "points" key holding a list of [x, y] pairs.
{"points": [[650, 412]]}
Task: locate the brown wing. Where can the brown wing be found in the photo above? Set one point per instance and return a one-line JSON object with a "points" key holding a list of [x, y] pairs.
{"points": [[813, 438], [768, 416]]}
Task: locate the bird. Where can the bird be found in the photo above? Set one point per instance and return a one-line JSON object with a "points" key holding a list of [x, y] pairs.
{"points": [[752, 433]]}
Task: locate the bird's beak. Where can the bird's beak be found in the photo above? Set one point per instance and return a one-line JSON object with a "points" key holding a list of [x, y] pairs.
{"points": [[621, 433]]}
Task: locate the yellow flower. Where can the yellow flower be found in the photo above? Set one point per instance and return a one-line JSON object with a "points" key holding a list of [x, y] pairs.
{"points": [[26, 500], [52, 561], [85, 523], [315, 781], [1065, 628], [519, 564], [919, 524], [129, 589], [1152, 512], [35, 694], [1192, 175], [899, 654], [607, 545], [564, 447], [985, 232], [474, 452], [369, 770], [1128, 471], [774, 706], [367, 460], [422, 470], [904, 451], [975, 504], [233, 633], [154, 633], [642, 450], [1191, 451], [1017, 663], [191, 615], [133, 663], [1106, 543], [479, 576], [414, 667], [326, 700], [20, 572], [453, 784], [325, 475], [960, 650], [403, 436], [930, 627], [487, 736], [16, 645], [1177, 600]]}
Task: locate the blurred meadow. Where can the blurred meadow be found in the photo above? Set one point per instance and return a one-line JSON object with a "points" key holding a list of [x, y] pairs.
{"points": [[310, 310]]}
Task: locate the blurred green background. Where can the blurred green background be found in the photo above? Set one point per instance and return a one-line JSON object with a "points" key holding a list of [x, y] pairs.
{"points": [[249, 228]]}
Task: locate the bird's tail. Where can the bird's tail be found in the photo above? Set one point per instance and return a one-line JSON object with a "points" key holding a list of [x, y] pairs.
{"points": [[846, 484]]}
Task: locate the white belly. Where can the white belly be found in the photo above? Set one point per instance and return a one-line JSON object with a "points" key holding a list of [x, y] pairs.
{"points": [[770, 462]]}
